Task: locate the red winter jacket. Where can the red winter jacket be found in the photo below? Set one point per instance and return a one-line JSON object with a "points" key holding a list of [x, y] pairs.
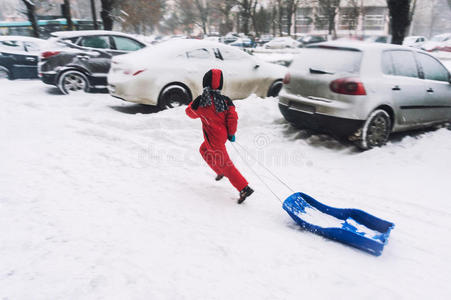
{"points": [[216, 126]]}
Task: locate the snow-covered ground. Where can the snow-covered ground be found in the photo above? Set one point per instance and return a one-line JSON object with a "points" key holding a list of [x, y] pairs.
{"points": [[102, 199]]}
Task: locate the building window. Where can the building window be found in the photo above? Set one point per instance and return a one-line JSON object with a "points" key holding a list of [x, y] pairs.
{"points": [[304, 20], [374, 18]]}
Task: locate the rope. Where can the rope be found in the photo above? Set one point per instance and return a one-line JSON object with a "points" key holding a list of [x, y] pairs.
{"points": [[263, 166], [262, 181]]}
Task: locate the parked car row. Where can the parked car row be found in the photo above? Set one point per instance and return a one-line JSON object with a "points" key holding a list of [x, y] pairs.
{"points": [[358, 91]]}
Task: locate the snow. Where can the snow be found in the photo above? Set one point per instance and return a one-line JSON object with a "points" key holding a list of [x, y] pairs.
{"points": [[363, 230], [315, 217], [102, 199]]}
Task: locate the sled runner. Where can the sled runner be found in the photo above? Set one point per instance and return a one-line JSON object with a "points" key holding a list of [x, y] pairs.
{"points": [[349, 226]]}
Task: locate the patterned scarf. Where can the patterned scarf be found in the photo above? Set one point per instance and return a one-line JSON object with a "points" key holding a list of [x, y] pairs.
{"points": [[219, 100]]}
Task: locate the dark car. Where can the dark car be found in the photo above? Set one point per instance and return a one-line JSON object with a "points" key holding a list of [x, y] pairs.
{"points": [[19, 56], [230, 38], [265, 39], [311, 39], [80, 60]]}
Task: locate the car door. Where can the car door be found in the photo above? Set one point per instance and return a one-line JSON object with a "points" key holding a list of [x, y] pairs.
{"points": [[404, 85], [437, 87], [33, 50], [241, 76], [97, 60], [22, 64]]}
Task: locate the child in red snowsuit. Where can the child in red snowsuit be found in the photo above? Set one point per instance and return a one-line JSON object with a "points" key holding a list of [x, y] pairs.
{"points": [[219, 123]]}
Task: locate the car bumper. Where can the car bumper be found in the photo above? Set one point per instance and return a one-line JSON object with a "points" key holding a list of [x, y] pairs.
{"points": [[48, 78], [341, 127]]}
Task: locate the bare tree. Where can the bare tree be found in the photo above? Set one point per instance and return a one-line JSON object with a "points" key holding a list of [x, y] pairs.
{"points": [[68, 15], [291, 7], [328, 8], [141, 15], [107, 13], [203, 8], [187, 15], [170, 23], [263, 20], [7, 8], [247, 11], [274, 18], [224, 8], [279, 5], [94, 14], [399, 11], [351, 14], [31, 14]]}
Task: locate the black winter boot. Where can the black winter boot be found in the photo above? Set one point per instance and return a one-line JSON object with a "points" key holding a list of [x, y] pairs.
{"points": [[246, 192], [219, 177]]}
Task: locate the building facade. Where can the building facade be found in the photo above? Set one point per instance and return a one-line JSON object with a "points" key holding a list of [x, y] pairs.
{"points": [[353, 18]]}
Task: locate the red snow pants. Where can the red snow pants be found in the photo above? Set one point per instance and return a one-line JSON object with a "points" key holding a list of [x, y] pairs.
{"points": [[219, 161]]}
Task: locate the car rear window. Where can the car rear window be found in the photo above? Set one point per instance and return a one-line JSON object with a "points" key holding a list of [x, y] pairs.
{"points": [[333, 60]]}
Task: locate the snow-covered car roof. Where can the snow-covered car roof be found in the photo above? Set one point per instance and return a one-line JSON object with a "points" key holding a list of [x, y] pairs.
{"points": [[175, 46], [359, 45], [21, 38], [69, 34], [168, 49], [283, 38], [413, 37]]}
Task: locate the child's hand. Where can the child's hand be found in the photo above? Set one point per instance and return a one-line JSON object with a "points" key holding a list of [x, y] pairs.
{"points": [[231, 138]]}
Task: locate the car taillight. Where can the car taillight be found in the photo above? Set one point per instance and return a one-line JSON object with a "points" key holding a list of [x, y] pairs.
{"points": [[48, 54], [348, 86], [287, 78], [138, 72]]}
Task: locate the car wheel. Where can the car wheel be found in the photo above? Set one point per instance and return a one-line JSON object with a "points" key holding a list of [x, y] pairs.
{"points": [[73, 81], [174, 96], [275, 88], [4, 73], [376, 130]]}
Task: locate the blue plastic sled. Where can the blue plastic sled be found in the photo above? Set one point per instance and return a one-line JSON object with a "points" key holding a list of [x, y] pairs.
{"points": [[372, 241]]}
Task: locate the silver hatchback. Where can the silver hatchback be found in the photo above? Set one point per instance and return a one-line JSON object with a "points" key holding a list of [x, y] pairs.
{"points": [[363, 92]]}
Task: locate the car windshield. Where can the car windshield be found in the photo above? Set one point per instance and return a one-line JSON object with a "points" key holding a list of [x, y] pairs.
{"points": [[438, 38], [329, 60]]}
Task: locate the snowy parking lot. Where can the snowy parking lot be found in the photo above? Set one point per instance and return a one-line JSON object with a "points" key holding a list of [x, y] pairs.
{"points": [[102, 199]]}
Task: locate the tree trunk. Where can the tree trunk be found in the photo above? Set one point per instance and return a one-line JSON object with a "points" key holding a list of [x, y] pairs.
{"points": [[331, 23], [68, 15], [273, 20], [289, 15], [94, 14], [253, 18], [399, 19], [32, 16], [280, 15], [105, 14]]}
